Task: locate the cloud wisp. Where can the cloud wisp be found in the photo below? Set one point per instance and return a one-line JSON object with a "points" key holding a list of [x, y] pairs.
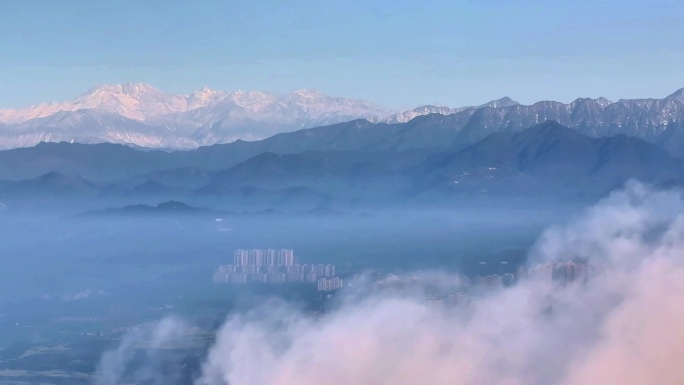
{"points": [[142, 355]]}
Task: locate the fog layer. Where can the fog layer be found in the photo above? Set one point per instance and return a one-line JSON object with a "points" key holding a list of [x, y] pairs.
{"points": [[622, 327]]}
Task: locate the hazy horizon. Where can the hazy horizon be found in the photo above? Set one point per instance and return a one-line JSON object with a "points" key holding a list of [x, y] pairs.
{"points": [[617, 49], [151, 234], [393, 108]]}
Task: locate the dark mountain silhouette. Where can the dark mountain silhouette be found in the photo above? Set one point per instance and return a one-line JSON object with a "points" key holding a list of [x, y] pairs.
{"points": [[164, 208], [548, 159], [53, 185]]}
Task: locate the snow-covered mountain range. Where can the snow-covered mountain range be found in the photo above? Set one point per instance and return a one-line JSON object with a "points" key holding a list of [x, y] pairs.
{"points": [[139, 114], [403, 117]]}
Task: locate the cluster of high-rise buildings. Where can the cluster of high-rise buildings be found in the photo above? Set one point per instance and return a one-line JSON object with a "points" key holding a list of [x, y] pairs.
{"points": [[268, 257], [276, 266], [329, 283], [565, 271]]}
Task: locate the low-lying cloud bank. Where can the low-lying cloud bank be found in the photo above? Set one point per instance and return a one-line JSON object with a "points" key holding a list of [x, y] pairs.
{"points": [[622, 327]]}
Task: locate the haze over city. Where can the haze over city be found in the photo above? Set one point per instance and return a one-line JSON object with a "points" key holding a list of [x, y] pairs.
{"points": [[399, 193]]}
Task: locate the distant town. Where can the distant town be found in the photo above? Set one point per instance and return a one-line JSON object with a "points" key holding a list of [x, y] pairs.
{"points": [[273, 266], [456, 289], [561, 272]]}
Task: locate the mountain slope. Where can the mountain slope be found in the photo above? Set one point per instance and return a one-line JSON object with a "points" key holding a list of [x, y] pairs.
{"points": [[544, 160], [645, 119], [257, 115], [406, 116], [89, 126], [550, 158]]}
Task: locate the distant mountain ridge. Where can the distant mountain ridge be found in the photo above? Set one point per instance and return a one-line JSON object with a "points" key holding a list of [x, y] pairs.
{"points": [[658, 121], [139, 114], [551, 157], [287, 172], [143, 102], [406, 116], [642, 118]]}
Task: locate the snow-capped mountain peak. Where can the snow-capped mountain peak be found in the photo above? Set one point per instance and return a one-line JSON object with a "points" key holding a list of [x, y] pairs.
{"points": [[138, 101], [308, 93], [129, 88], [204, 97], [405, 116], [140, 114], [603, 102]]}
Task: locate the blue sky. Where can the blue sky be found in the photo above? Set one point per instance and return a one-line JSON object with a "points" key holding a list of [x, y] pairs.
{"points": [[396, 53]]}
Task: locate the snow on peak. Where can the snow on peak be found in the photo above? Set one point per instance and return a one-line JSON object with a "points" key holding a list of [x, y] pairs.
{"points": [[138, 101], [204, 97], [207, 92], [308, 93], [145, 103], [603, 102], [503, 102], [405, 116], [138, 113], [128, 88]]}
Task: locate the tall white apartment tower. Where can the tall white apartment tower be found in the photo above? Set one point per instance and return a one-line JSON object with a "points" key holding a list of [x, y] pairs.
{"points": [[285, 257], [329, 270], [241, 258], [256, 257], [270, 257]]}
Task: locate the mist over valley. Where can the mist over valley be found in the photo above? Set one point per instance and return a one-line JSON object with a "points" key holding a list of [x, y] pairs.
{"points": [[356, 193]]}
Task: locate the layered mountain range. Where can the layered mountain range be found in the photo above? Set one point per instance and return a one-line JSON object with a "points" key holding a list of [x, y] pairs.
{"points": [[348, 165], [140, 115]]}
